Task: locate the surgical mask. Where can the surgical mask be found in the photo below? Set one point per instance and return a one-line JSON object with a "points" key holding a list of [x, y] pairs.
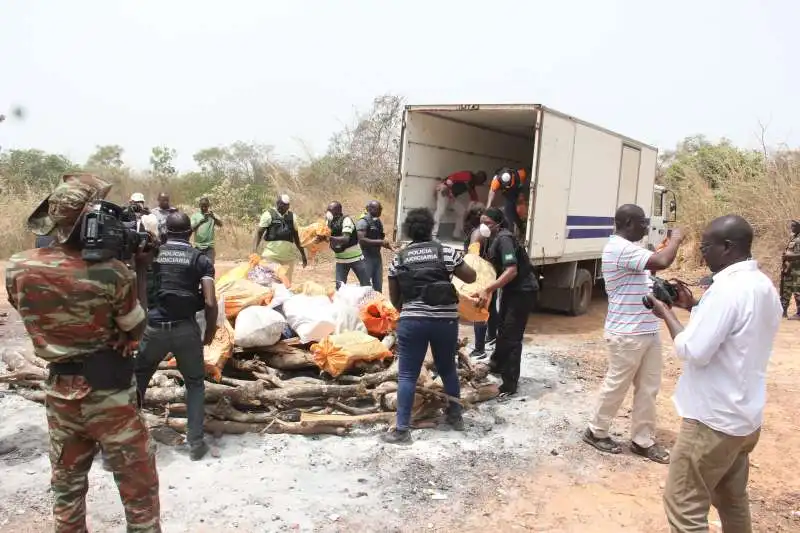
{"points": [[328, 216], [484, 231]]}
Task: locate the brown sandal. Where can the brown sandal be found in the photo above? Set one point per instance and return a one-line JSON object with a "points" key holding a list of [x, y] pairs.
{"points": [[656, 453], [605, 445]]}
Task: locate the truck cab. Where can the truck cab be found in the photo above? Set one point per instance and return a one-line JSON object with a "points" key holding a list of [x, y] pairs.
{"points": [[665, 209]]}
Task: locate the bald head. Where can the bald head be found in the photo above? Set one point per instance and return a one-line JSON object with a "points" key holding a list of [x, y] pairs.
{"points": [[726, 240], [335, 208], [630, 222], [374, 208], [178, 224]]}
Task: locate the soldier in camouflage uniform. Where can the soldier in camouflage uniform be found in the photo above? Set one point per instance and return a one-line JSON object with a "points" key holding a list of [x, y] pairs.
{"points": [[78, 316], [790, 275]]}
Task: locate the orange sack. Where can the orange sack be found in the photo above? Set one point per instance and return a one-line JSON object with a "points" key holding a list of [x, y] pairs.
{"points": [[337, 353], [379, 316], [240, 293]]}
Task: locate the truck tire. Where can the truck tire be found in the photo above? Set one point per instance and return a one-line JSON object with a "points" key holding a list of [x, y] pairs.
{"points": [[581, 295]]}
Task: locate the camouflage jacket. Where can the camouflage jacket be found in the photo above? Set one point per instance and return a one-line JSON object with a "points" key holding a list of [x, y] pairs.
{"points": [[70, 307], [794, 247]]}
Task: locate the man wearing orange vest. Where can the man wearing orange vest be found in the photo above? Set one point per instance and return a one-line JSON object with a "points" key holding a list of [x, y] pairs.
{"points": [[510, 182]]}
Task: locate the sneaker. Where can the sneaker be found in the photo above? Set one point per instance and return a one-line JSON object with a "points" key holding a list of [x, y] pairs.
{"points": [[478, 355], [198, 451], [456, 421], [491, 344], [397, 436]]}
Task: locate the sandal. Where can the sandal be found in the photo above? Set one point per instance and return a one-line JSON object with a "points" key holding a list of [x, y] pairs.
{"points": [[605, 445], [656, 453]]}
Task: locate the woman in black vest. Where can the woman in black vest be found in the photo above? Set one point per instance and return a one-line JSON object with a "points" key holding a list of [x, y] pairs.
{"points": [[420, 287], [516, 280]]}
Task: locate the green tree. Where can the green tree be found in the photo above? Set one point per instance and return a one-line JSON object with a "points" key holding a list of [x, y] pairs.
{"points": [[106, 157], [33, 169], [716, 163], [162, 162]]}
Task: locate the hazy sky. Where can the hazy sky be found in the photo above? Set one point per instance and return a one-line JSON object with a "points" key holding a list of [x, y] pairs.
{"points": [[192, 74]]}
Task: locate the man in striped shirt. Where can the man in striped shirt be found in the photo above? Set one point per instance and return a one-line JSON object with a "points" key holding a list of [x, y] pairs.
{"points": [[632, 335], [346, 250]]}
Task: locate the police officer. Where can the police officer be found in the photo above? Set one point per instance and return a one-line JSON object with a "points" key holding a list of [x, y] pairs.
{"points": [[516, 281], [420, 287], [510, 182], [82, 329], [184, 285], [372, 239], [344, 243], [278, 228]]}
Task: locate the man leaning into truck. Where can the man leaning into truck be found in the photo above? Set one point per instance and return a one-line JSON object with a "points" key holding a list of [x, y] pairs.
{"points": [[632, 336], [447, 193]]}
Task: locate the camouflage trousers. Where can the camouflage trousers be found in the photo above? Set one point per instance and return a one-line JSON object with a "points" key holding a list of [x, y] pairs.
{"points": [[790, 285], [108, 418]]}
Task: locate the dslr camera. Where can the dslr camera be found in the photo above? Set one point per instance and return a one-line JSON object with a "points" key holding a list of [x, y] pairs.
{"points": [[109, 232], [663, 291]]}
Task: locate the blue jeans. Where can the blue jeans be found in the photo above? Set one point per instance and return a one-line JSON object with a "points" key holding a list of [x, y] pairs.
{"points": [[486, 330], [413, 337], [375, 271], [359, 268]]}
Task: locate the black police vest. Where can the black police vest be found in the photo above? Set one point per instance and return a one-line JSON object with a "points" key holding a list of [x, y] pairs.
{"points": [[178, 293], [281, 228], [515, 181], [336, 226], [374, 228], [423, 276]]}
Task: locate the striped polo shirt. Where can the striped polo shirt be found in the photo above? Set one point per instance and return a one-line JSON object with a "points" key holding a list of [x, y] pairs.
{"points": [[627, 282], [352, 253]]}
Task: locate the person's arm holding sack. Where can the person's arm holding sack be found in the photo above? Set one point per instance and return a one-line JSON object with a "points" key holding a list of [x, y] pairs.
{"points": [[507, 251]]}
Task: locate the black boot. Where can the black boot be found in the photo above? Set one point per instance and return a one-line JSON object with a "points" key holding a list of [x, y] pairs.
{"points": [[455, 420], [397, 436], [198, 450]]}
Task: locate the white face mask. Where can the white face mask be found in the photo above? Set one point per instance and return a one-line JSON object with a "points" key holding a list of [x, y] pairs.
{"points": [[328, 216], [484, 231]]}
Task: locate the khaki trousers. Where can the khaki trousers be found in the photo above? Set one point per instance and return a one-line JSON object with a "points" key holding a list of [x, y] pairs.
{"points": [[708, 467], [632, 360]]}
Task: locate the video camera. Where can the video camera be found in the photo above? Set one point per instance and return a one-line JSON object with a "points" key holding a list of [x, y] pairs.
{"points": [[108, 231], [663, 291]]}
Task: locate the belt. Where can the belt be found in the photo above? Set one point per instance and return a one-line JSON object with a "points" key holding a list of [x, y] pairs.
{"points": [[168, 325], [70, 368]]}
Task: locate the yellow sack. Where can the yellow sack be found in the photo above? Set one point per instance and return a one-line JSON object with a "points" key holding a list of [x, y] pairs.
{"points": [[240, 271], [240, 293], [312, 288], [467, 305], [310, 237], [338, 353], [219, 351]]}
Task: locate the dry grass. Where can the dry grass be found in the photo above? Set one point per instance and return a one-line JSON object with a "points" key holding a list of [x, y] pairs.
{"points": [[768, 202]]}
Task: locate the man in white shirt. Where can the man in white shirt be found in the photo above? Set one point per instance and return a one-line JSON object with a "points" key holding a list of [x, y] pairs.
{"points": [[632, 336], [725, 349]]}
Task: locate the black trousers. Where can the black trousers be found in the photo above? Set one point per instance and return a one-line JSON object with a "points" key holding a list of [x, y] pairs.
{"points": [[515, 307]]}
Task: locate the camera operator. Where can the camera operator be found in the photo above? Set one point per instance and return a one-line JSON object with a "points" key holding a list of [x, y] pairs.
{"points": [[81, 316], [184, 285], [632, 336], [725, 349]]}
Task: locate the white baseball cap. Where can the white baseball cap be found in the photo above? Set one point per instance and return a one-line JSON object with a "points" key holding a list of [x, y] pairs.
{"points": [[284, 198], [137, 197]]}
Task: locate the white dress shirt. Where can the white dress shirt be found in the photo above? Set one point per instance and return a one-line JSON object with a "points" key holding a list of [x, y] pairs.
{"points": [[726, 347]]}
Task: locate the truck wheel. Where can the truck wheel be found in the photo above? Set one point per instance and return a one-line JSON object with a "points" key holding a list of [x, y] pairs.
{"points": [[581, 293]]}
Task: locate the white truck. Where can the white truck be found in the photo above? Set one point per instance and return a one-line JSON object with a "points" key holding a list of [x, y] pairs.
{"points": [[579, 174]]}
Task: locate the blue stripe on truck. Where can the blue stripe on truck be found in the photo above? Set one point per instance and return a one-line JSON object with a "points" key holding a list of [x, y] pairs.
{"points": [[589, 233], [577, 220]]}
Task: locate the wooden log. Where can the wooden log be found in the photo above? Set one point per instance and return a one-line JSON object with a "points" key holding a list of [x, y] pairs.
{"points": [[22, 365], [351, 410], [482, 393], [284, 357], [275, 427], [37, 396], [347, 421]]}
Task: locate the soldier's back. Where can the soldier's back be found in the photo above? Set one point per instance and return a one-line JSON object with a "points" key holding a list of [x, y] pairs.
{"points": [[67, 305]]}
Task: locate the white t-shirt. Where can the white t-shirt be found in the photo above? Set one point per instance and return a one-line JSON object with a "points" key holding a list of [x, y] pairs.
{"points": [[627, 282], [726, 347]]}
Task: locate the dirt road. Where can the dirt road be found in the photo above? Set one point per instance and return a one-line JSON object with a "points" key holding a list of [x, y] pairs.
{"points": [[519, 467]]}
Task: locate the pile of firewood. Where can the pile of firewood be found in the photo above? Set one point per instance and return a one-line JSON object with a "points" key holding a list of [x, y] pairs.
{"points": [[280, 390]]}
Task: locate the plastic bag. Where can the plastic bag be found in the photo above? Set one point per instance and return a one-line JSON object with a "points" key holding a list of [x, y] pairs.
{"points": [[240, 271], [467, 305], [240, 293], [280, 295], [353, 294], [267, 273], [311, 288], [379, 316], [338, 353], [309, 235], [258, 326], [347, 317], [311, 317]]}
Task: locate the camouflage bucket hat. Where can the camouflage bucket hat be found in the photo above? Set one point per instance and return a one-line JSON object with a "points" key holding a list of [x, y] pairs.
{"points": [[62, 209]]}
